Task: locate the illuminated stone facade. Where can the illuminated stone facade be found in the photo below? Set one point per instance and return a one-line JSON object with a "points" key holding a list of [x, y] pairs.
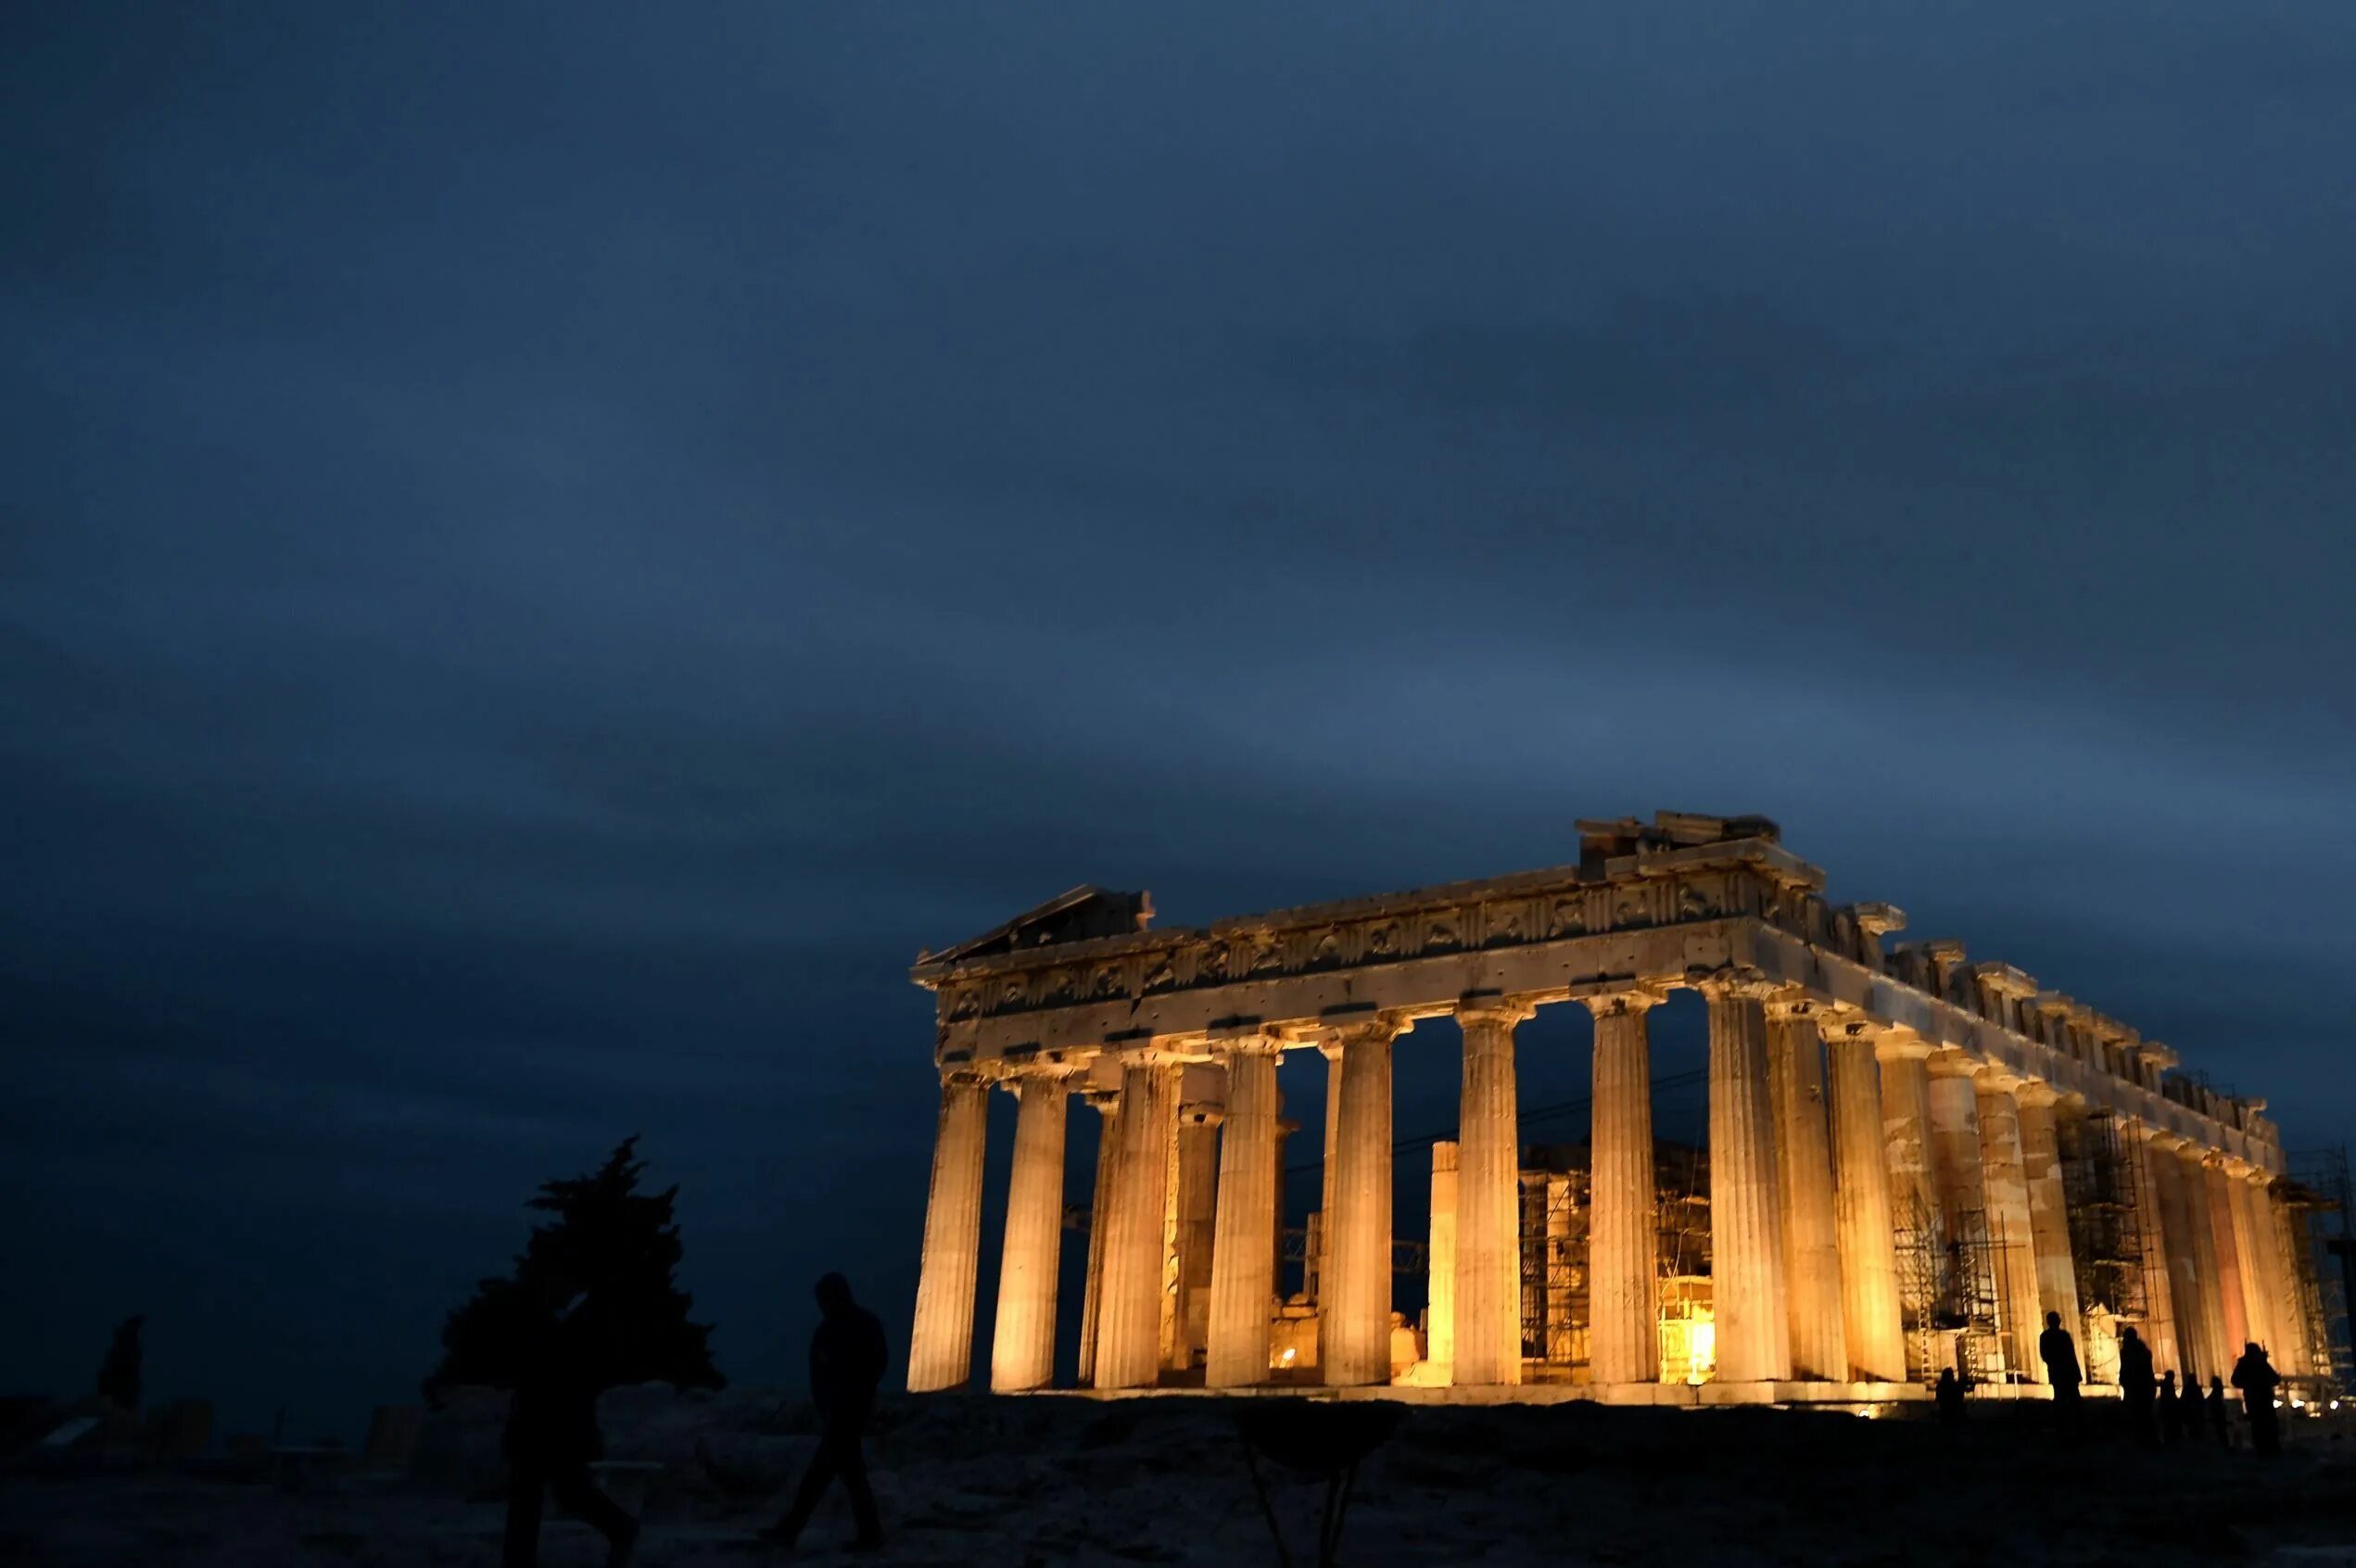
{"points": [[1889, 1127]]}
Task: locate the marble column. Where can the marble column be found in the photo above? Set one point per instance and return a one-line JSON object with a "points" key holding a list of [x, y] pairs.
{"points": [[1870, 1315], [1322, 1238], [2011, 1238], [1804, 1180], [2159, 1326], [2254, 1247], [2233, 1304], [1746, 1242], [1105, 1103], [940, 1350], [1022, 1348], [1439, 1319], [2192, 1269], [1905, 1058], [1243, 1256], [1488, 1162], [1286, 1128], [1129, 1316], [1197, 1194], [1356, 1309], [1961, 1179], [2049, 1210], [1623, 1233], [2293, 1249]]}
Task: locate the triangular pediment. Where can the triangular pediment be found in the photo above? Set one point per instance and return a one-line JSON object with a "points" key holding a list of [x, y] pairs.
{"points": [[1083, 914]]}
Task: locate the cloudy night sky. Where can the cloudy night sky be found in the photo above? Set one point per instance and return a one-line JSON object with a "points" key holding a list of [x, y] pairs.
{"points": [[545, 550]]}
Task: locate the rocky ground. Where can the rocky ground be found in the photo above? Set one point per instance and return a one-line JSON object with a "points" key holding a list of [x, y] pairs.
{"points": [[1018, 1481]]}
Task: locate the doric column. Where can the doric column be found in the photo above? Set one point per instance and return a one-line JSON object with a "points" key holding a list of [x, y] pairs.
{"points": [[1905, 1122], [1321, 1253], [1488, 1162], [1355, 1312], [1243, 1256], [1803, 1181], [2049, 1210], [1623, 1232], [2192, 1268], [1746, 1243], [1129, 1314], [1876, 1330], [1917, 1224], [1105, 1103], [2293, 1251], [2253, 1244], [1022, 1348], [2160, 1325], [1439, 1318], [1286, 1128], [2233, 1304], [1961, 1179], [1197, 1222], [2004, 1176], [940, 1350]]}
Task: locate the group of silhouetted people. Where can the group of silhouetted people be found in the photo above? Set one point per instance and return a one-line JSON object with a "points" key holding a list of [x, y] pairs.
{"points": [[2159, 1412], [2163, 1413], [551, 1426]]}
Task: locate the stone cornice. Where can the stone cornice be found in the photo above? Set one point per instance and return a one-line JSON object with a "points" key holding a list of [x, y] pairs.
{"points": [[1615, 934], [1639, 892]]}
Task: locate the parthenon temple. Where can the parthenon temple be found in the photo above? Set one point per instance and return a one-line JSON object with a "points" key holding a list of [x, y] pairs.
{"points": [[1911, 1157]]}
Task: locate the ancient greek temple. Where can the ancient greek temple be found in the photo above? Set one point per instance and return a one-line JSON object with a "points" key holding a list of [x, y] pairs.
{"points": [[1911, 1158]]}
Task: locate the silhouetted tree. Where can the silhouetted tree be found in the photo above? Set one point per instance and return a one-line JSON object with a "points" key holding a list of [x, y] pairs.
{"points": [[613, 1239]]}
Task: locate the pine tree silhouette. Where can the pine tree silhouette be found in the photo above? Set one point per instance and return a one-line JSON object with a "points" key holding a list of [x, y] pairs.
{"points": [[609, 1234]]}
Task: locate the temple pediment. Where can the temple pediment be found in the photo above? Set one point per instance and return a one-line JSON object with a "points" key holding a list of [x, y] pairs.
{"points": [[1081, 914]]}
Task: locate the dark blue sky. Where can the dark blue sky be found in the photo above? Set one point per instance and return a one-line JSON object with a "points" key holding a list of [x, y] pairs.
{"points": [[547, 549]]}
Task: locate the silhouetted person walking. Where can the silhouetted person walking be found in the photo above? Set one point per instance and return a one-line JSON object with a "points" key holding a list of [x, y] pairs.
{"points": [[847, 1357], [119, 1373], [2172, 1410], [2255, 1376], [551, 1428], [2135, 1385], [2059, 1353]]}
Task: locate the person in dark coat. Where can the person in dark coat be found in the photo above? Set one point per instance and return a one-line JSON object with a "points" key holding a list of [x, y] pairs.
{"points": [[847, 1358], [119, 1373], [551, 1426], [2257, 1379], [2220, 1418], [1949, 1395], [2135, 1385], [2059, 1353], [2172, 1410]]}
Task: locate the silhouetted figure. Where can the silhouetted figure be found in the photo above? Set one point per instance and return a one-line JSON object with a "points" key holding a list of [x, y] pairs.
{"points": [[2059, 1353], [2172, 1410], [2135, 1385], [847, 1357], [2255, 1376], [119, 1373], [551, 1429], [2219, 1419], [1949, 1395]]}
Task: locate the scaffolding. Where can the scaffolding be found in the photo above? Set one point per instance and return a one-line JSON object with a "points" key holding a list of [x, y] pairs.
{"points": [[1916, 1236], [1688, 1317], [2321, 1207], [2100, 1177]]}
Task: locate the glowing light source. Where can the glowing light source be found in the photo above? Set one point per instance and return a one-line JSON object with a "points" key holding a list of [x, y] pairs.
{"points": [[1289, 1356]]}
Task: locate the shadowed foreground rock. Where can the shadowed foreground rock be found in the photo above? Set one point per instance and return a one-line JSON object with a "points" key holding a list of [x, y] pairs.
{"points": [[1052, 1481]]}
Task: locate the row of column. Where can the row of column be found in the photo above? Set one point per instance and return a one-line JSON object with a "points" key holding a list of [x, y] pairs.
{"points": [[1828, 1136]]}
